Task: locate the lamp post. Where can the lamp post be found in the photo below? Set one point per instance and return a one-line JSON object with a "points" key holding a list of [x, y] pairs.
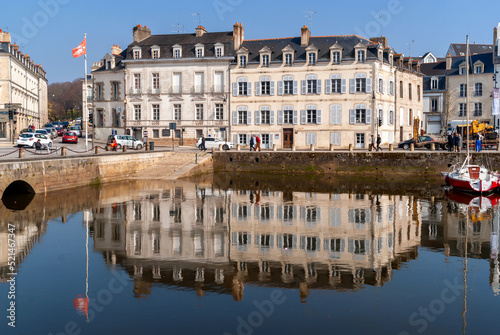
{"points": [[125, 116]]}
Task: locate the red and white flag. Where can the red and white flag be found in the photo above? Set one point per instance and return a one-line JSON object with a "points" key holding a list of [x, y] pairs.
{"points": [[81, 49]]}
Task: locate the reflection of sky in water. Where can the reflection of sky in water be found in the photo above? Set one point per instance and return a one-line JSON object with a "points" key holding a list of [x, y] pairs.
{"points": [[187, 258]]}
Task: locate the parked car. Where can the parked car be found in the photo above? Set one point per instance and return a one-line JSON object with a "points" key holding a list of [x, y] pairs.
{"points": [[76, 129], [60, 131], [211, 142], [424, 141], [43, 132], [70, 137], [29, 139], [53, 132], [126, 140]]}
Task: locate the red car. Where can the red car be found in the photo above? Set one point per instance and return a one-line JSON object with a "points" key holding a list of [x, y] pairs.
{"points": [[60, 131], [70, 137]]}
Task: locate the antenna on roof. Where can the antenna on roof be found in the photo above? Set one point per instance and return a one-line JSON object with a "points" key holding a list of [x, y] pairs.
{"points": [[199, 18], [310, 16], [179, 27], [411, 47]]}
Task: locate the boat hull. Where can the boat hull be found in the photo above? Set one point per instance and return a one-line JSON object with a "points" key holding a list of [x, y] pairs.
{"points": [[473, 186]]}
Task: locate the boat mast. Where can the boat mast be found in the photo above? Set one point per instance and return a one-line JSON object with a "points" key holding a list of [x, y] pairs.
{"points": [[467, 98]]}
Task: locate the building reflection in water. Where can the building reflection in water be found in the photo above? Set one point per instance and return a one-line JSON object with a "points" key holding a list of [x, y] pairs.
{"points": [[219, 240]]}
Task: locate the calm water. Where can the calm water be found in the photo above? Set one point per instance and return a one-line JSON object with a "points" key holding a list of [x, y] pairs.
{"points": [[253, 255]]}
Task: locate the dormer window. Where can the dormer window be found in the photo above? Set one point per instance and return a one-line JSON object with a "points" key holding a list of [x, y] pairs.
{"points": [[434, 84], [136, 52], [265, 60], [478, 67], [243, 61], [462, 69], [361, 56], [288, 60], [336, 57], [177, 51], [219, 50], [199, 50], [311, 58], [155, 52], [288, 52]]}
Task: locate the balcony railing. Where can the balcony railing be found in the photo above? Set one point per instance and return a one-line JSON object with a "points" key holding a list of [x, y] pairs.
{"points": [[175, 90], [135, 91], [183, 123], [217, 89], [198, 90]]}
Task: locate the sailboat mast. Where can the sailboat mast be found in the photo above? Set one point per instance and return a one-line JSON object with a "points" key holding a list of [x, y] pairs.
{"points": [[467, 110]]}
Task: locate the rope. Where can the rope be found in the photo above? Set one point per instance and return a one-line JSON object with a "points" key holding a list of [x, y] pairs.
{"points": [[51, 152], [79, 152]]}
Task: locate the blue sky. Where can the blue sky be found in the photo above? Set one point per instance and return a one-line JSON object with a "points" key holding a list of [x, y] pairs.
{"points": [[47, 30]]}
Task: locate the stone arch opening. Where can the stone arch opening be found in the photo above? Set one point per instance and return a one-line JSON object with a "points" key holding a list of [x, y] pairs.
{"points": [[18, 187], [18, 195]]}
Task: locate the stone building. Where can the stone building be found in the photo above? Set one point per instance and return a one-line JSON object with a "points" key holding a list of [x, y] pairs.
{"points": [[164, 79], [23, 87], [322, 91]]}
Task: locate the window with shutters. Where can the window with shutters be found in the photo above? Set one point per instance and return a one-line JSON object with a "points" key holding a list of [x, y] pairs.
{"points": [[434, 105], [336, 85], [360, 115], [311, 244], [312, 86], [242, 88], [360, 85], [418, 93], [265, 116], [242, 117], [391, 87], [265, 86], [410, 92], [311, 138], [335, 139], [288, 86], [288, 116], [287, 213], [380, 85], [401, 95], [336, 114], [312, 116]]}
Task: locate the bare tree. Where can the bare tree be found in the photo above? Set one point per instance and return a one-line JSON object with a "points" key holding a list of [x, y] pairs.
{"points": [[65, 99]]}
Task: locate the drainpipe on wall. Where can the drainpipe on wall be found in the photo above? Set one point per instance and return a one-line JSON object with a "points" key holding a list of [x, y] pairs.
{"points": [[395, 104]]}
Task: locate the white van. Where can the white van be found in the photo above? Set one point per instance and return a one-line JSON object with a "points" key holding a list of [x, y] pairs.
{"points": [[452, 125], [126, 140]]}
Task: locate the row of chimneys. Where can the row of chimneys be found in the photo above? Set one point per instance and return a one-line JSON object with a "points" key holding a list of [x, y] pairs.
{"points": [[5, 38]]}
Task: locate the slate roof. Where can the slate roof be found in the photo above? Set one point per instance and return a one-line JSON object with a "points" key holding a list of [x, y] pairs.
{"points": [[459, 49], [323, 43], [186, 41]]}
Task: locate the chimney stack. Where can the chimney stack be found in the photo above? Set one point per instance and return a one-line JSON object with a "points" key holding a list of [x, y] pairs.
{"points": [[140, 33], [4, 37], [305, 34], [200, 31], [381, 40], [448, 62], [496, 40], [116, 50], [238, 35]]}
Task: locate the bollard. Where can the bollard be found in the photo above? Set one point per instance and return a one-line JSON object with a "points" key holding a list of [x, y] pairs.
{"points": [[433, 147], [21, 153], [391, 147], [146, 146], [124, 148], [312, 147], [196, 159], [63, 151], [220, 147], [412, 147], [238, 147], [275, 147], [293, 147], [97, 150], [332, 147], [213, 150], [351, 147]]}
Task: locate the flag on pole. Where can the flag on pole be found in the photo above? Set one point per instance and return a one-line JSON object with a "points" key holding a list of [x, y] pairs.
{"points": [[81, 49]]}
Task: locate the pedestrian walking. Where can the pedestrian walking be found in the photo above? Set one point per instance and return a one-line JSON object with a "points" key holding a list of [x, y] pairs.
{"points": [[379, 141], [451, 141], [252, 143], [257, 141], [372, 144], [202, 144]]}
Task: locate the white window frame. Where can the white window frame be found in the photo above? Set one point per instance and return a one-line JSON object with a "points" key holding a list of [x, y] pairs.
{"points": [[265, 60], [199, 112], [155, 78], [242, 61], [156, 112], [288, 59], [312, 58], [137, 113], [177, 112]]}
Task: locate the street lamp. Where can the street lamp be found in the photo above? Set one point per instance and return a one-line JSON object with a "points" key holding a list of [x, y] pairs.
{"points": [[125, 116]]}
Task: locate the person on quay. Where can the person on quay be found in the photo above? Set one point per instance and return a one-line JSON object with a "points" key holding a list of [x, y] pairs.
{"points": [[202, 145], [257, 141], [456, 141], [114, 145], [459, 142], [479, 141], [252, 143], [451, 141], [379, 141], [372, 144]]}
